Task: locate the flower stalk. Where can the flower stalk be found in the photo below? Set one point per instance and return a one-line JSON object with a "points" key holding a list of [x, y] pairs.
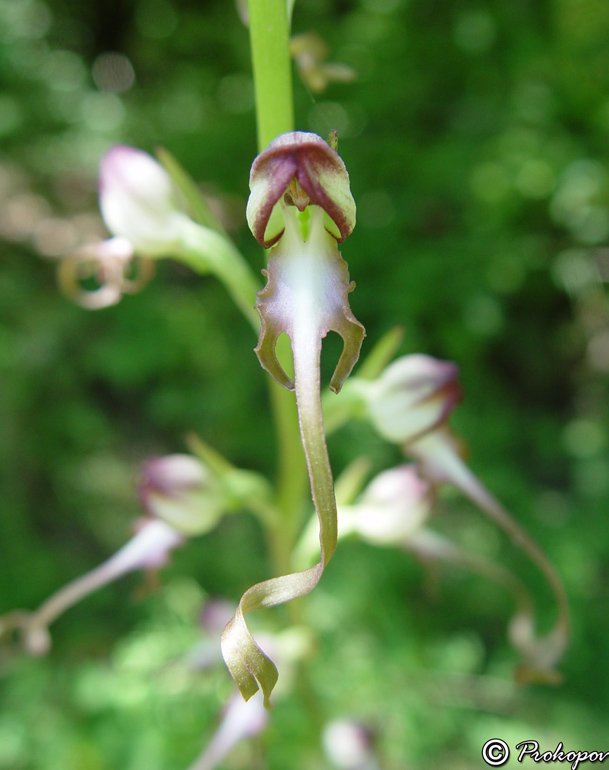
{"points": [[270, 41], [269, 30]]}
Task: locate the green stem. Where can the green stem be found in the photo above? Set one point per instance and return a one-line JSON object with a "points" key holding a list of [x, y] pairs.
{"points": [[270, 42]]}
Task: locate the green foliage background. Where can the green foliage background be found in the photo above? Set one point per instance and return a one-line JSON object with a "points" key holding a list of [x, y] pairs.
{"points": [[476, 137]]}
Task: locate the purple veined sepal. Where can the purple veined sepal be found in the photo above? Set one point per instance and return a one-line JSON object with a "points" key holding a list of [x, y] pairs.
{"points": [[311, 172]]}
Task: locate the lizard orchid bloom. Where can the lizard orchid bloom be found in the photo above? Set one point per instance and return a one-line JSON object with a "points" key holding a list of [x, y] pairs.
{"points": [[440, 454], [180, 498], [394, 505], [389, 511], [409, 404], [394, 510], [160, 212], [301, 206]]}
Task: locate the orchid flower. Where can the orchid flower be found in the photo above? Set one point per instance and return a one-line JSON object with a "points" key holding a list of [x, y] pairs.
{"points": [[183, 492], [409, 404], [392, 507], [393, 510], [154, 210], [301, 206], [181, 499], [439, 453], [142, 202]]}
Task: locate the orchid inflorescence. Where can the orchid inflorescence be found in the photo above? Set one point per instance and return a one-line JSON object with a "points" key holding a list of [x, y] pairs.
{"points": [[301, 209]]}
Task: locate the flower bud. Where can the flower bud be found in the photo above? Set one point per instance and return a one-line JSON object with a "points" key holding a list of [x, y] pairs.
{"points": [[414, 395], [181, 491], [139, 201], [393, 506]]}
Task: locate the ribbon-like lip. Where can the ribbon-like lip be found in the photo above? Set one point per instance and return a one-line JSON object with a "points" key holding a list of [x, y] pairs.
{"points": [[318, 169]]}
